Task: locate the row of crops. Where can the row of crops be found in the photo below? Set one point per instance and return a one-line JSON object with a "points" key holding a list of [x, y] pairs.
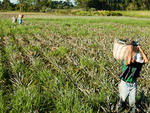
{"points": [[63, 65]]}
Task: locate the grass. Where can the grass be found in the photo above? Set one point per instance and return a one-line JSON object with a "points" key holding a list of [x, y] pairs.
{"points": [[130, 13], [141, 14], [65, 64]]}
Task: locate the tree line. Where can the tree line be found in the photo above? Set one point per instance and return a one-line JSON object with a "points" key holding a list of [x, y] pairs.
{"points": [[35, 5], [47, 5], [115, 4]]}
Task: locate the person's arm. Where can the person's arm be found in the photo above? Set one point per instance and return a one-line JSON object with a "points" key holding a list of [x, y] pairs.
{"points": [[129, 58], [143, 54]]}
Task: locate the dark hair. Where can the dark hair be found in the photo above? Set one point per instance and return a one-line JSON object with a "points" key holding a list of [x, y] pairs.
{"points": [[134, 43]]}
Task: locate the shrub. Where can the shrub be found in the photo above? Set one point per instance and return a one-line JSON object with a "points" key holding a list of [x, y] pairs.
{"points": [[43, 9], [74, 12], [92, 9], [81, 12], [62, 11], [84, 13], [48, 9], [91, 12], [109, 13]]}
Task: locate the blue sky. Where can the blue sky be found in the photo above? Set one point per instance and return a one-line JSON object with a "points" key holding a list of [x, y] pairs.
{"points": [[15, 1]]}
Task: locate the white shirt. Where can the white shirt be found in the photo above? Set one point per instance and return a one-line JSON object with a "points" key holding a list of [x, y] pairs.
{"points": [[138, 58]]}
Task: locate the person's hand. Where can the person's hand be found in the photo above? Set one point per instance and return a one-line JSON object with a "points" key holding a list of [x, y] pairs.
{"points": [[143, 54], [140, 48]]}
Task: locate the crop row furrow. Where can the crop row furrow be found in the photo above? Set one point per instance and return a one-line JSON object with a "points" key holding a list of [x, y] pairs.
{"points": [[41, 52], [49, 63], [5, 59], [24, 53], [7, 73]]}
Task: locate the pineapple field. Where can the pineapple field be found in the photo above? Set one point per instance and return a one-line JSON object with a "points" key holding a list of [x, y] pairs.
{"points": [[65, 64]]}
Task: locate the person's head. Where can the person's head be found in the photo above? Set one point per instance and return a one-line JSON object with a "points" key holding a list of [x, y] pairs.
{"points": [[135, 46], [137, 56], [20, 16]]}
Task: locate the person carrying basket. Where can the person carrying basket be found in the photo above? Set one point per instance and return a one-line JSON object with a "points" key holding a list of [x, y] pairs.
{"points": [[131, 68]]}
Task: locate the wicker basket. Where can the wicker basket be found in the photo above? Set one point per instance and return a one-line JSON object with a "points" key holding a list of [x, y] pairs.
{"points": [[14, 19], [121, 51]]}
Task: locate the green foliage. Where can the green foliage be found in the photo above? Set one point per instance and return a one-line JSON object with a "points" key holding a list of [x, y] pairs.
{"points": [[91, 5], [2, 106], [65, 63], [43, 9], [82, 12], [61, 11], [109, 13], [86, 62], [132, 6], [142, 14], [25, 99], [114, 5], [96, 13], [61, 51]]}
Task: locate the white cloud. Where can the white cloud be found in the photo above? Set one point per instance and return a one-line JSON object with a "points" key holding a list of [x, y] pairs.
{"points": [[13, 1]]}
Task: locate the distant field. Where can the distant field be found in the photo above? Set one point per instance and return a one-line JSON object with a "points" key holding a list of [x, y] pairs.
{"points": [[140, 14], [65, 64]]}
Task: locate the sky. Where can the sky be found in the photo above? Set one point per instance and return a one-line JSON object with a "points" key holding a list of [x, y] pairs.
{"points": [[15, 1]]}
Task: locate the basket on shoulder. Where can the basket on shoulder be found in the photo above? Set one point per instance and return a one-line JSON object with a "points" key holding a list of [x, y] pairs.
{"points": [[123, 49]]}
